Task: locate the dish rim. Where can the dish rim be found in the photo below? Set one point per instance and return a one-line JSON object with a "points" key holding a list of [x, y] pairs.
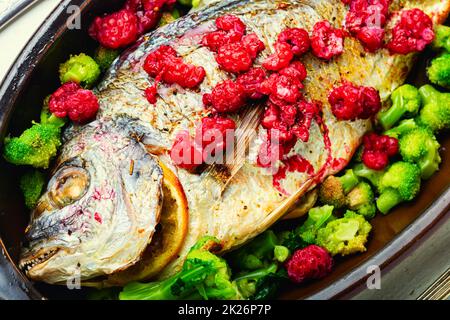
{"points": [[16, 81]]}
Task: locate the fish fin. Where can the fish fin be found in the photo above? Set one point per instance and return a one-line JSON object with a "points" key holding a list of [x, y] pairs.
{"points": [[245, 133]]}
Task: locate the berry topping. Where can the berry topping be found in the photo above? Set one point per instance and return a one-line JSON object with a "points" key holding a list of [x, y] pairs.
{"points": [[312, 262], [366, 20], [148, 12], [326, 41], [229, 22], [350, 102], [281, 87], [377, 150], [71, 100], [186, 153], [115, 30], [216, 39], [164, 64], [412, 33], [253, 45], [251, 81], [227, 96], [280, 59], [215, 133], [297, 38], [234, 58]]}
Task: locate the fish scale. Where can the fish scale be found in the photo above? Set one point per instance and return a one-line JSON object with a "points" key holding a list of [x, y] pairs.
{"points": [[250, 203]]}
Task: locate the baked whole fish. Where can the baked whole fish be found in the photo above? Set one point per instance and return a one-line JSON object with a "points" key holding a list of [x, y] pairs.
{"points": [[104, 200]]}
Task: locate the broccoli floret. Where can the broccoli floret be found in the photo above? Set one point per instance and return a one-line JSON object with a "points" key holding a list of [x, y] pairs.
{"points": [[435, 113], [247, 283], [333, 190], [32, 183], [255, 254], [403, 127], [442, 39], [36, 146], [401, 182], [204, 275], [361, 199], [405, 102], [49, 118], [169, 17], [421, 147], [373, 176], [439, 71], [346, 235], [105, 57], [81, 69], [317, 217]]}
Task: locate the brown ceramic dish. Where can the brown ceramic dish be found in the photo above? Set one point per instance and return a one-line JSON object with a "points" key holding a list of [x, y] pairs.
{"points": [[34, 75]]}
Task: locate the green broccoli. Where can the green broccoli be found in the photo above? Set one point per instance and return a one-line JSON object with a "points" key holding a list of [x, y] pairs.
{"points": [[401, 182], [36, 146], [317, 217], [371, 175], [333, 190], [169, 17], [361, 199], [247, 283], [346, 235], [403, 127], [32, 183], [439, 71], [442, 39], [105, 57], [405, 102], [421, 147], [81, 69], [435, 113], [256, 253], [204, 275]]}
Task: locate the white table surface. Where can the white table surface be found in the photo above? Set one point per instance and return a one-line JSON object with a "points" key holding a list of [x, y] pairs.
{"points": [[406, 278]]}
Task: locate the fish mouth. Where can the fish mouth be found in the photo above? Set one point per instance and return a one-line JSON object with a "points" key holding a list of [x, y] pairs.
{"points": [[31, 261]]}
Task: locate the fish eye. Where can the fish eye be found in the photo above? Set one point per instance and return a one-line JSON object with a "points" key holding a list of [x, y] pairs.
{"points": [[70, 184]]}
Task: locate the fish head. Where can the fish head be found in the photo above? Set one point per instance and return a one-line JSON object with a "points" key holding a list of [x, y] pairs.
{"points": [[99, 210]]}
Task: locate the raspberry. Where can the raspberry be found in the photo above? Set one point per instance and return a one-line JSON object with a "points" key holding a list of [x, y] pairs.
{"points": [[312, 262], [377, 150], [185, 152], [350, 102], [271, 116], [280, 59], [253, 45], [231, 23], [227, 96], [71, 100], [216, 39], [116, 30], [165, 64], [297, 38], [281, 87], [296, 71], [326, 41], [251, 81], [215, 131], [371, 38], [307, 111], [366, 20], [148, 12], [150, 94], [412, 33], [234, 58]]}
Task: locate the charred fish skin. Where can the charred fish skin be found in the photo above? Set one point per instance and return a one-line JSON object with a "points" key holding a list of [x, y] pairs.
{"points": [[248, 205], [99, 211]]}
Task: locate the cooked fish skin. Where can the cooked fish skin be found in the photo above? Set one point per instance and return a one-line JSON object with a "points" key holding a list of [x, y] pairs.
{"points": [[249, 204], [100, 208]]}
